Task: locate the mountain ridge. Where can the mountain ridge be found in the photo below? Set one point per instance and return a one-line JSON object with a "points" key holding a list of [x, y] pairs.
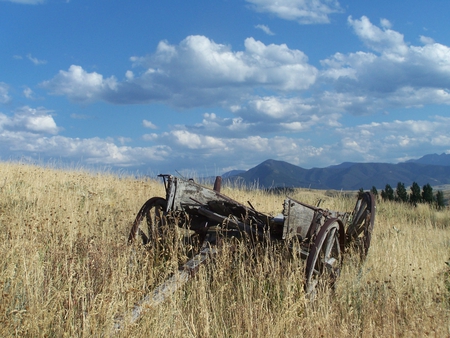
{"points": [[348, 175]]}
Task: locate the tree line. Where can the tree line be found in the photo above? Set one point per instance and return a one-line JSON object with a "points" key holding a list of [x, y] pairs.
{"points": [[416, 195]]}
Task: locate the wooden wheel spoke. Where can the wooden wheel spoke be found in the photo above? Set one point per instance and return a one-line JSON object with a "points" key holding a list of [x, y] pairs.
{"points": [[359, 232], [144, 237], [331, 262], [330, 242], [325, 258], [153, 214]]}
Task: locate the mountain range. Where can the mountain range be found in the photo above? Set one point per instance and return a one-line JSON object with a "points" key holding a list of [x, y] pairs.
{"points": [[433, 169]]}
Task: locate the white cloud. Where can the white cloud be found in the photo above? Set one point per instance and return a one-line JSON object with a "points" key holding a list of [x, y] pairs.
{"points": [[31, 132], [28, 93], [223, 127], [288, 109], [129, 75], [93, 150], [384, 40], [27, 133], [4, 93], [383, 141], [297, 100], [189, 147], [30, 120], [302, 11], [394, 74], [35, 60], [148, 124], [426, 40], [197, 72], [79, 85], [190, 140], [385, 23], [201, 62], [265, 29], [294, 126], [390, 141]]}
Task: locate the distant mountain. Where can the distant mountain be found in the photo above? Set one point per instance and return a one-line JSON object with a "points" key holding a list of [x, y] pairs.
{"points": [[346, 176], [271, 173], [433, 159], [232, 173]]}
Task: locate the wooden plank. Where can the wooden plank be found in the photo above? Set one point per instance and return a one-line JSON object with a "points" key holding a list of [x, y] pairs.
{"points": [[181, 192], [297, 219]]}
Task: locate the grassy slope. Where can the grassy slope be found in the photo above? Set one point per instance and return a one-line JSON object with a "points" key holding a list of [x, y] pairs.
{"points": [[65, 269]]}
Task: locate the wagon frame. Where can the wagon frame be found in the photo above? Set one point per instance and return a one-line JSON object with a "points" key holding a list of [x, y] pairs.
{"points": [[320, 236]]}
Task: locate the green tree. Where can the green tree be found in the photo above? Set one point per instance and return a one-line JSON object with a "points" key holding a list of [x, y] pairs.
{"points": [[374, 191], [388, 193], [427, 193], [402, 194], [440, 199], [414, 196]]}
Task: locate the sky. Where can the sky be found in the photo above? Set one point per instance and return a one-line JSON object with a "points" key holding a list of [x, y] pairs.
{"points": [[208, 86]]}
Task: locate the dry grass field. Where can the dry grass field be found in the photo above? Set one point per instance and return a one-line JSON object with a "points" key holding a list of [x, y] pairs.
{"points": [[66, 269]]}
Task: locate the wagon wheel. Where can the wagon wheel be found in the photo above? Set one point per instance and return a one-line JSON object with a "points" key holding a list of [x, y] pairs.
{"points": [[153, 211], [359, 232], [325, 257], [158, 229]]}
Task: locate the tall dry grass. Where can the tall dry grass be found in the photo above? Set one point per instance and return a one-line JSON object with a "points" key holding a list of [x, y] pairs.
{"points": [[66, 269]]}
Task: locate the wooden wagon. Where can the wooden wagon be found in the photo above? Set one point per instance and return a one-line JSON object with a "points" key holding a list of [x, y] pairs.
{"points": [[320, 236]]}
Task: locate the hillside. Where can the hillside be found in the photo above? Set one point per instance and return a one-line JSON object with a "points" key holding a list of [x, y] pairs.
{"points": [[433, 159], [347, 176]]}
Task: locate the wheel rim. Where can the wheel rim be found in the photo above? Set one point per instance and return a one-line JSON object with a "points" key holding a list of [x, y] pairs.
{"points": [[359, 232], [325, 258], [149, 221]]}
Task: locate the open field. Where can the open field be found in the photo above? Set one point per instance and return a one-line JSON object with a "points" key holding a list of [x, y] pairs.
{"points": [[66, 269]]}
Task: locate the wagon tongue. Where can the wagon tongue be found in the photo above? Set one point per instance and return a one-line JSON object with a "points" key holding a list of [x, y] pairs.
{"points": [[177, 280]]}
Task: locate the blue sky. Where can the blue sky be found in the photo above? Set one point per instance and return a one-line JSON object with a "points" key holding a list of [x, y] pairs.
{"points": [[209, 86]]}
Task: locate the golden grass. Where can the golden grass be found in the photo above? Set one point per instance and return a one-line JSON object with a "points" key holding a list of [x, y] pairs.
{"points": [[67, 271]]}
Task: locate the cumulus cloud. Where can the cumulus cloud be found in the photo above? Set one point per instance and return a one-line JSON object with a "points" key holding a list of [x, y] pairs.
{"points": [[28, 119], [4, 93], [279, 108], [386, 40], [200, 63], [302, 11], [213, 141], [197, 72], [222, 127], [271, 89], [91, 151], [188, 147], [33, 132], [392, 140], [29, 132], [392, 73], [79, 85], [200, 72]]}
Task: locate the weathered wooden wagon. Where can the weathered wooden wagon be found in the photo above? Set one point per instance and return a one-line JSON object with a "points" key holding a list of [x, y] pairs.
{"points": [[319, 236]]}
